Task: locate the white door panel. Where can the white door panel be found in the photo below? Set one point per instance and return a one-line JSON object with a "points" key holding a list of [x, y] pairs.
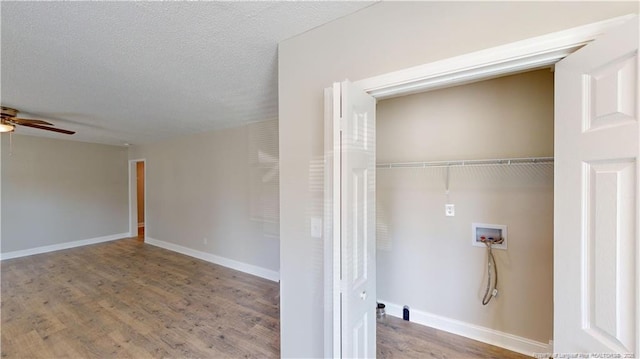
{"points": [[597, 196], [356, 125]]}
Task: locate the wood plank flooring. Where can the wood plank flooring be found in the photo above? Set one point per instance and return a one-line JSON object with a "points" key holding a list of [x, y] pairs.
{"points": [[127, 299], [397, 338]]}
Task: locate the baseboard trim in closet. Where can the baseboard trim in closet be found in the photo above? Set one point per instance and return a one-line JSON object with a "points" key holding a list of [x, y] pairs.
{"points": [[483, 334], [212, 258]]}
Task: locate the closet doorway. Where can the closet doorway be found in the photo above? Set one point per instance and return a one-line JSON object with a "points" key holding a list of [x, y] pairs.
{"points": [[487, 149], [137, 199], [607, 61]]}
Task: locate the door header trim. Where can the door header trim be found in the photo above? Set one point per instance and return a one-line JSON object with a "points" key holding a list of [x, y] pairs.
{"points": [[520, 56]]}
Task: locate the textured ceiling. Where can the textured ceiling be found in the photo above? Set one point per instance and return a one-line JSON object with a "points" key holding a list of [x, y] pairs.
{"points": [[139, 72]]}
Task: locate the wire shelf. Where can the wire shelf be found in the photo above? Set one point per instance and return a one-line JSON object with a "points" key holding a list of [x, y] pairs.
{"points": [[457, 163]]}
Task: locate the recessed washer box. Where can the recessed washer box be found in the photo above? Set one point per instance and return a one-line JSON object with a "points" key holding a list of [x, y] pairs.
{"points": [[479, 230]]}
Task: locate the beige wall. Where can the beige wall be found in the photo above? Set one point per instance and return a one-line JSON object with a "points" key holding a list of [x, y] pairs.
{"points": [[58, 191], [425, 259], [510, 116], [220, 185], [385, 37]]}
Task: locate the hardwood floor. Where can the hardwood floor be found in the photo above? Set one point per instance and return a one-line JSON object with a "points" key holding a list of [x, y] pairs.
{"points": [[397, 338], [127, 299]]}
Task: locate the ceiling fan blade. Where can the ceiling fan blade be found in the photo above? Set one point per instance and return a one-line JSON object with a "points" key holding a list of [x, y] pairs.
{"points": [[66, 132], [22, 121]]}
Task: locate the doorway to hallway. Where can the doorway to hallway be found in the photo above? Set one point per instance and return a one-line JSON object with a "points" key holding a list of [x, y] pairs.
{"points": [[140, 198], [138, 225]]}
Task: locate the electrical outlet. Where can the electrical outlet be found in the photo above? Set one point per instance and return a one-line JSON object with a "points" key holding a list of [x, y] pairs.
{"points": [[449, 210], [205, 240]]}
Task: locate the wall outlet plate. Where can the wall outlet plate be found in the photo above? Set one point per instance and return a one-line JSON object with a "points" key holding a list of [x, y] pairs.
{"points": [[449, 210], [479, 230]]}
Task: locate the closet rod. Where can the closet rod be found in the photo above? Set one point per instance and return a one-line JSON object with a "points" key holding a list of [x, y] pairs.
{"points": [[492, 162]]}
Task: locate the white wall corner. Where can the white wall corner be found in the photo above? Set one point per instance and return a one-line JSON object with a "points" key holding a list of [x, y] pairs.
{"points": [[212, 258], [1, 188], [483, 334], [60, 246]]}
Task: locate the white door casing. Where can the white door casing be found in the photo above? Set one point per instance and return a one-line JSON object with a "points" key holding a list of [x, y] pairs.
{"points": [[596, 230], [133, 198], [354, 123]]}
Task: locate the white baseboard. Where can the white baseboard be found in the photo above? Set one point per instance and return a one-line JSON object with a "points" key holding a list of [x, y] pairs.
{"points": [[60, 246], [486, 335], [212, 258]]}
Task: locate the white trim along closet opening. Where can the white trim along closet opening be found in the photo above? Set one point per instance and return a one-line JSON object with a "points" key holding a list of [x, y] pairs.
{"points": [[429, 151]]}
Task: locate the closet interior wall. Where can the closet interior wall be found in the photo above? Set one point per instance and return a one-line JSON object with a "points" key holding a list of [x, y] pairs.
{"points": [[425, 259]]}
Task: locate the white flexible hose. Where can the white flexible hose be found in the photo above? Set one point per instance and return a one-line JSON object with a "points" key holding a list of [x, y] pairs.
{"points": [[491, 267]]}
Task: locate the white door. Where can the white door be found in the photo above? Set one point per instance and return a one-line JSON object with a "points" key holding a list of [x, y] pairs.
{"points": [[597, 150], [354, 126]]}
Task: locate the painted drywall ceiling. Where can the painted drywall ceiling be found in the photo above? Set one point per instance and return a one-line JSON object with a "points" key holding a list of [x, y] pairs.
{"points": [[141, 72]]}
